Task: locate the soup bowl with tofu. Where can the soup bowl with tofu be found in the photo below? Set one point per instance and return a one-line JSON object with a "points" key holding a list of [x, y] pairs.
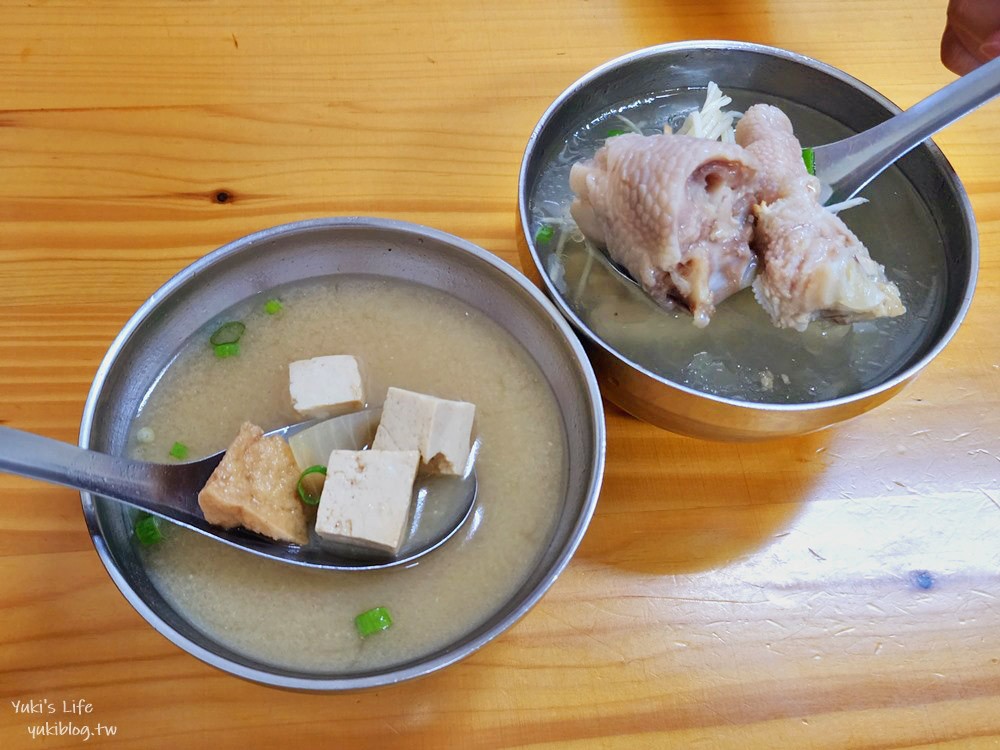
{"points": [[760, 313], [459, 349]]}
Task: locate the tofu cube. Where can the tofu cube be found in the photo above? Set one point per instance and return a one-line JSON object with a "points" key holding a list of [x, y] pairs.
{"points": [[326, 386], [440, 430], [254, 487], [366, 498]]}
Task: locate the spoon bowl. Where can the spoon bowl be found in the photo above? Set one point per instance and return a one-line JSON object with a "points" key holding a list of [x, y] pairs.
{"points": [[440, 508], [847, 166]]}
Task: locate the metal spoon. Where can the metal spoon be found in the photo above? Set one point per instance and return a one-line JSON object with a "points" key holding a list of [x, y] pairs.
{"points": [[846, 166], [441, 504]]}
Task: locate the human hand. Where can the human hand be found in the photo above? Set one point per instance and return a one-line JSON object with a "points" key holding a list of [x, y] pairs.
{"points": [[972, 34]]}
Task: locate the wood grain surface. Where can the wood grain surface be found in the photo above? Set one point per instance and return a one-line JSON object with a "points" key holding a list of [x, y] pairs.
{"points": [[832, 591]]}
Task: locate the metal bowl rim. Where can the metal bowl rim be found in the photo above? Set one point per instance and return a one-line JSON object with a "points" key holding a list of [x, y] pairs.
{"points": [[720, 44], [281, 677]]}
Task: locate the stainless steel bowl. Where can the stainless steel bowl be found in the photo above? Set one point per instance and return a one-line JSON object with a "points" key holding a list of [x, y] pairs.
{"points": [[850, 105], [312, 249]]}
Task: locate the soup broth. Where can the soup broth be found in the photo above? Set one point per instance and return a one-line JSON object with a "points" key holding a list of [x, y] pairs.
{"points": [[405, 335], [741, 355]]}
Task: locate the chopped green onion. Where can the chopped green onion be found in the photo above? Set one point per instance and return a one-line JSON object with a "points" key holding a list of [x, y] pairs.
{"points": [[227, 350], [272, 306], [147, 529], [809, 157], [615, 131], [228, 333], [179, 451], [371, 622], [544, 234], [308, 497]]}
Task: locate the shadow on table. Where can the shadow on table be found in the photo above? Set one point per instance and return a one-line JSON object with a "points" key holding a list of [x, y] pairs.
{"points": [[671, 504]]}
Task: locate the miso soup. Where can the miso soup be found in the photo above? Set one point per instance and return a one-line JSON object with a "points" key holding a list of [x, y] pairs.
{"points": [[405, 335]]}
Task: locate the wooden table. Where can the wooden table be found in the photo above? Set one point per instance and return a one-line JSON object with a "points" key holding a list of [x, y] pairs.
{"points": [[836, 590]]}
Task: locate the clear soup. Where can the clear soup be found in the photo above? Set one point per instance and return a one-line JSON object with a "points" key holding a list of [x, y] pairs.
{"points": [[741, 355]]}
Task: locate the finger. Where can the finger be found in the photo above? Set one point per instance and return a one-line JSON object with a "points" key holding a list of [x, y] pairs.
{"points": [[955, 56], [991, 47]]}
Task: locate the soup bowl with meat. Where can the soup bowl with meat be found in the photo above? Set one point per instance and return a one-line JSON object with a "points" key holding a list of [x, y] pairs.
{"points": [[414, 312], [666, 206]]}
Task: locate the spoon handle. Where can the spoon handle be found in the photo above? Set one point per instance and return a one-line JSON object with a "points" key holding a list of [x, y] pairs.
{"points": [[38, 457], [846, 166]]}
